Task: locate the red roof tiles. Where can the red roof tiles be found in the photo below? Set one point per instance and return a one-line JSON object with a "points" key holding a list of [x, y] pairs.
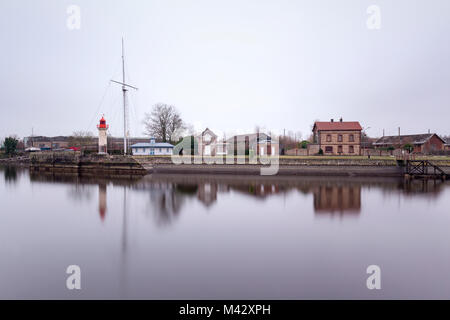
{"points": [[337, 125]]}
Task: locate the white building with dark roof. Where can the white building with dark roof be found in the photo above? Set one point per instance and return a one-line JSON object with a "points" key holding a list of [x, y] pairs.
{"points": [[152, 149]]}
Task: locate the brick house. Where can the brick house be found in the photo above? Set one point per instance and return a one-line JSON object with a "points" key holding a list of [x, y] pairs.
{"points": [[338, 137], [422, 143]]}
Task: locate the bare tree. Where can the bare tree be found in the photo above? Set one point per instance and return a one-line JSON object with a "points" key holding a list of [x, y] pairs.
{"points": [[164, 122], [189, 128], [81, 139]]}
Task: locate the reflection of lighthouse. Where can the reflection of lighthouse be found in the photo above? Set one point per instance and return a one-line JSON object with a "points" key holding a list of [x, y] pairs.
{"points": [[102, 200], [102, 136]]}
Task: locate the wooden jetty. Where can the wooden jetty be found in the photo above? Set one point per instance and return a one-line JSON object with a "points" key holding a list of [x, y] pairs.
{"points": [[423, 169]]}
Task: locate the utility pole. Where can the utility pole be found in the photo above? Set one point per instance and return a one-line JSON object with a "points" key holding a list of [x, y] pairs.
{"points": [[124, 91]]}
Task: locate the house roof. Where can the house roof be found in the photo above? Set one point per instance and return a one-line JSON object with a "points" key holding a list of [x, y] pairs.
{"points": [[251, 136], [207, 130], [152, 145], [336, 125], [403, 139]]}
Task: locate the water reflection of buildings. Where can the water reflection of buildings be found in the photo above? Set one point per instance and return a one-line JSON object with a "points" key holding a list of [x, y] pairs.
{"points": [[207, 193], [340, 199], [167, 194], [423, 187], [259, 190]]}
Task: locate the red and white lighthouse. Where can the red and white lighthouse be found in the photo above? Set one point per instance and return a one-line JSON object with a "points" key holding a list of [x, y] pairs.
{"points": [[102, 136]]}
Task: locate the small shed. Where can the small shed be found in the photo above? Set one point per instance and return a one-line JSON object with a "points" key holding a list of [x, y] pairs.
{"points": [[152, 149]]}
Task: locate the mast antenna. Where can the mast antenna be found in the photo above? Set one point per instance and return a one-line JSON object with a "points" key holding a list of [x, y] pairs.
{"points": [[124, 91]]}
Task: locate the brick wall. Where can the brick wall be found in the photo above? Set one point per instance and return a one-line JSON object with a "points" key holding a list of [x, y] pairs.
{"points": [[331, 143]]}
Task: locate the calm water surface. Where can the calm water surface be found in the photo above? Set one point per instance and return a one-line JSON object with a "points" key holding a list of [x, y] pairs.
{"points": [[218, 237]]}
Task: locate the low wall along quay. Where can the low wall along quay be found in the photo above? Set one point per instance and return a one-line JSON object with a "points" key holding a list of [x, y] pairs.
{"points": [[74, 162]]}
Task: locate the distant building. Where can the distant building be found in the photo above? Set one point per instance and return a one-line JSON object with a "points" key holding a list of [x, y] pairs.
{"points": [[210, 145], [114, 144], [447, 144], [206, 142], [337, 137], [258, 143], [152, 149], [421, 143], [46, 143]]}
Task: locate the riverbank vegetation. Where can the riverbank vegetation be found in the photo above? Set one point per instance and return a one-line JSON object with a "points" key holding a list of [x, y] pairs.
{"points": [[9, 147]]}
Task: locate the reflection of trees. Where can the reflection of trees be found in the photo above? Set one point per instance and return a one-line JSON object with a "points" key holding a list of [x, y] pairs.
{"points": [[10, 173], [166, 202], [80, 192], [414, 188], [421, 186]]}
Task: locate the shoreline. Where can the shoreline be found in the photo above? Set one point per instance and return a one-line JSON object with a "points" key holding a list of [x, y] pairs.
{"points": [[142, 165], [283, 170]]}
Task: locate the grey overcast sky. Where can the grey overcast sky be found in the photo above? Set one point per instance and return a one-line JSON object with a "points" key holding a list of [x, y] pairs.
{"points": [[227, 65]]}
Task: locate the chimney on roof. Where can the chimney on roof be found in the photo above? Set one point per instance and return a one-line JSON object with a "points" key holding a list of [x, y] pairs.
{"points": [[429, 131], [340, 119], [332, 120]]}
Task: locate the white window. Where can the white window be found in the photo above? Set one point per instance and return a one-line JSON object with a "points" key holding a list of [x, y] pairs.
{"points": [[262, 151]]}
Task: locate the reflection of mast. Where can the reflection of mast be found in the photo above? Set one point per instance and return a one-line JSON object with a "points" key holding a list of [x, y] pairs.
{"points": [[124, 242], [124, 224], [102, 200]]}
